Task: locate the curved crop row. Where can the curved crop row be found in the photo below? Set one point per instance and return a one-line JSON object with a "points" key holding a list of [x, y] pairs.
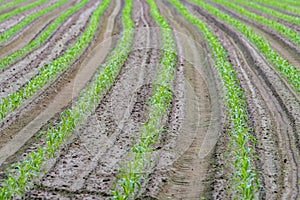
{"points": [[138, 168], [289, 33], [11, 4], [291, 2], [280, 5], [42, 38], [21, 9], [245, 181], [269, 11], [15, 29], [290, 72], [51, 70], [22, 175]]}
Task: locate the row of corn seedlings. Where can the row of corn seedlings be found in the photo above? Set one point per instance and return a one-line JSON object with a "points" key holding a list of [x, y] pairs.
{"points": [[134, 173], [18, 27], [290, 72], [269, 11], [20, 10], [10, 4], [50, 71], [245, 182], [289, 33], [43, 36], [21, 175], [279, 5]]}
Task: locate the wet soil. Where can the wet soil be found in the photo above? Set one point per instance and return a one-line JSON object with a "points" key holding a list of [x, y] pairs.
{"points": [[274, 115], [30, 32], [18, 74], [286, 23], [191, 160], [21, 126], [284, 46], [91, 162]]}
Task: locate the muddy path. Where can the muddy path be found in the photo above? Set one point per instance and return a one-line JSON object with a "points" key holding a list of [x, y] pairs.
{"points": [[274, 111], [27, 121], [89, 165], [282, 45]]}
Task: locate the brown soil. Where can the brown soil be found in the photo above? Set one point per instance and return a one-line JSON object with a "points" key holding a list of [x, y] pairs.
{"points": [[286, 23], [35, 25], [18, 74], [274, 109], [191, 160], [87, 168], [25, 122], [284, 46]]}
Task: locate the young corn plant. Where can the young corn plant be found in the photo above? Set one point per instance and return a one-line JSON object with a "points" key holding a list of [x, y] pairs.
{"points": [[20, 10], [135, 172], [290, 72], [269, 11], [245, 185], [15, 29], [10, 4], [71, 119], [289, 33], [51, 70], [42, 38]]}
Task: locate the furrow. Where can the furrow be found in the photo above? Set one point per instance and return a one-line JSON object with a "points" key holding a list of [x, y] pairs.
{"points": [[272, 104], [93, 158]]}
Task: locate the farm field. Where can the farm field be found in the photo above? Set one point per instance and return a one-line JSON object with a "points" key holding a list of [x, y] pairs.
{"points": [[149, 99]]}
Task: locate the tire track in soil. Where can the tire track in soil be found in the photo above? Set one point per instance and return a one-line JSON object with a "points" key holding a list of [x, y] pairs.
{"points": [[28, 33], [195, 122], [274, 109], [17, 137], [17, 75], [282, 45], [89, 165]]}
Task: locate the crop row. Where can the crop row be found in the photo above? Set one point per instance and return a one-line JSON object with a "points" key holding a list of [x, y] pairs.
{"points": [[290, 72], [42, 38], [269, 11], [280, 28], [15, 29], [280, 5], [136, 171], [22, 175], [11, 4], [245, 182], [291, 3], [51, 70], [21, 9]]}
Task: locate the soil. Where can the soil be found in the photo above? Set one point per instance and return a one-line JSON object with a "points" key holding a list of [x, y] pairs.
{"points": [[191, 159], [286, 23], [272, 112]]}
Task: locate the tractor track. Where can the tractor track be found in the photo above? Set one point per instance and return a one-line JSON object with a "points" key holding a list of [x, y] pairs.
{"points": [[186, 152]]}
